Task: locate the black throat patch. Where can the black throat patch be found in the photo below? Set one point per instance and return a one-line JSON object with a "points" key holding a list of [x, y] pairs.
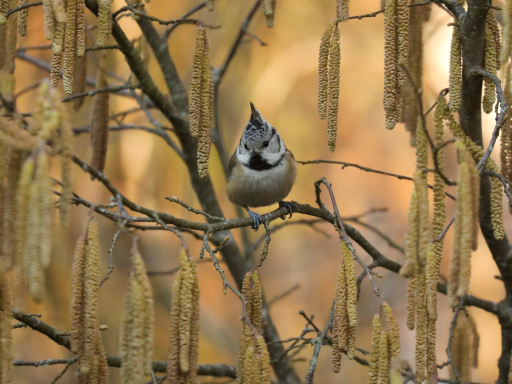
{"points": [[257, 163]]}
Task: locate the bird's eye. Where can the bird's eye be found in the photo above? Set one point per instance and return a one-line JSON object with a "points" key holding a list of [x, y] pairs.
{"points": [[246, 147], [265, 144]]}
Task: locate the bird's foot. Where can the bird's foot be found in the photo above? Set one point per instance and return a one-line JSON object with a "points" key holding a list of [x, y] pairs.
{"points": [[255, 217], [289, 205]]}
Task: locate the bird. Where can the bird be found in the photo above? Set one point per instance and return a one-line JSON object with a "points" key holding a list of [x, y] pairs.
{"points": [[262, 170]]}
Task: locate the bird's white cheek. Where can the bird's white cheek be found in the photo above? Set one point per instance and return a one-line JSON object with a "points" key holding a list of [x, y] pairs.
{"points": [[243, 158]]}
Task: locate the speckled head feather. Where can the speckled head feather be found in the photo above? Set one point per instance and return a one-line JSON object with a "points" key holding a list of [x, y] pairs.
{"points": [[257, 130]]}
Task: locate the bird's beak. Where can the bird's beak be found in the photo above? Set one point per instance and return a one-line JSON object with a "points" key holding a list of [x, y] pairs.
{"points": [[255, 114]]}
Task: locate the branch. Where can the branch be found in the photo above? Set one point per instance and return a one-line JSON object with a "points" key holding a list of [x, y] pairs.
{"points": [[318, 342], [366, 169], [185, 16], [101, 90], [24, 6], [61, 338]]}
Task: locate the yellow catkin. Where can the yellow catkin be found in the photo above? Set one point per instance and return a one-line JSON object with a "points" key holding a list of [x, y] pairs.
{"points": [[431, 348], [333, 89], [506, 50], [490, 66], [4, 8], [415, 68], [455, 71], [80, 28], [475, 341], [383, 372], [77, 296], [186, 313], [249, 365], [55, 68], [394, 331], [197, 82], [269, 10], [421, 329], [49, 19], [205, 137], [423, 218], [8, 80], [3, 39], [351, 284], [6, 366], [411, 238], [411, 302], [46, 207], [68, 66], [22, 19], [492, 24], [210, 4], [246, 292], [461, 348], [104, 22], [16, 200], [257, 303], [342, 10], [340, 319], [506, 130], [323, 70], [373, 373], [242, 346], [265, 359], [173, 361], [79, 82], [100, 119], [59, 10]]}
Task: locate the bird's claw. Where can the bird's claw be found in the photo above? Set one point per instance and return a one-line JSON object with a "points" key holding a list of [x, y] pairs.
{"points": [[256, 218], [289, 205]]}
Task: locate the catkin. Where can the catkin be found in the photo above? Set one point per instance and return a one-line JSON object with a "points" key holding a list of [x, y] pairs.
{"points": [[464, 341], [490, 66], [257, 303], [80, 28], [421, 329], [396, 31], [4, 8], [383, 371], [197, 83], [79, 81], [205, 137], [373, 374], [342, 8], [323, 70], [68, 66], [104, 22], [14, 221], [394, 330], [411, 238], [455, 79], [49, 19], [411, 302], [410, 108], [182, 357], [137, 336], [506, 49], [340, 319], [210, 4], [22, 19], [506, 130], [269, 10], [59, 11], [333, 90], [85, 333], [100, 118], [6, 366]]}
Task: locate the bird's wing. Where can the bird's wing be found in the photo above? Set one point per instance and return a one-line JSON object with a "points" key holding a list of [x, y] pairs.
{"points": [[232, 163]]}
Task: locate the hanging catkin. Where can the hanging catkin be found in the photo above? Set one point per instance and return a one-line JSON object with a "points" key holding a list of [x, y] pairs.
{"points": [[184, 332], [373, 373], [68, 66], [506, 130], [201, 100], [7, 84], [79, 81], [415, 67], [465, 345], [421, 329], [506, 49], [104, 22], [269, 10], [333, 90], [396, 31], [100, 118], [329, 81], [22, 19], [80, 28], [323, 70], [6, 366], [85, 332], [342, 10], [455, 70], [137, 329], [490, 66]]}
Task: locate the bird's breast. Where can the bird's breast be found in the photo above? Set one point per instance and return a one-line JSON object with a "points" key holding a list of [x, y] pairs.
{"points": [[259, 188]]}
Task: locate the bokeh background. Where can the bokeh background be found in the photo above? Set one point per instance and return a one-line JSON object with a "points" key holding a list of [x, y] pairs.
{"points": [[281, 79]]}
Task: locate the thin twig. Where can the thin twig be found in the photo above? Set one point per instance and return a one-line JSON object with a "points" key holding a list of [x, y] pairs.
{"points": [[286, 293], [24, 6], [318, 345], [174, 199], [185, 16], [101, 90], [366, 169], [450, 339]]}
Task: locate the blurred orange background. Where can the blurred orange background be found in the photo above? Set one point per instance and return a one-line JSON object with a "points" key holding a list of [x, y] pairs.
{"points": [[281, 80]]}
